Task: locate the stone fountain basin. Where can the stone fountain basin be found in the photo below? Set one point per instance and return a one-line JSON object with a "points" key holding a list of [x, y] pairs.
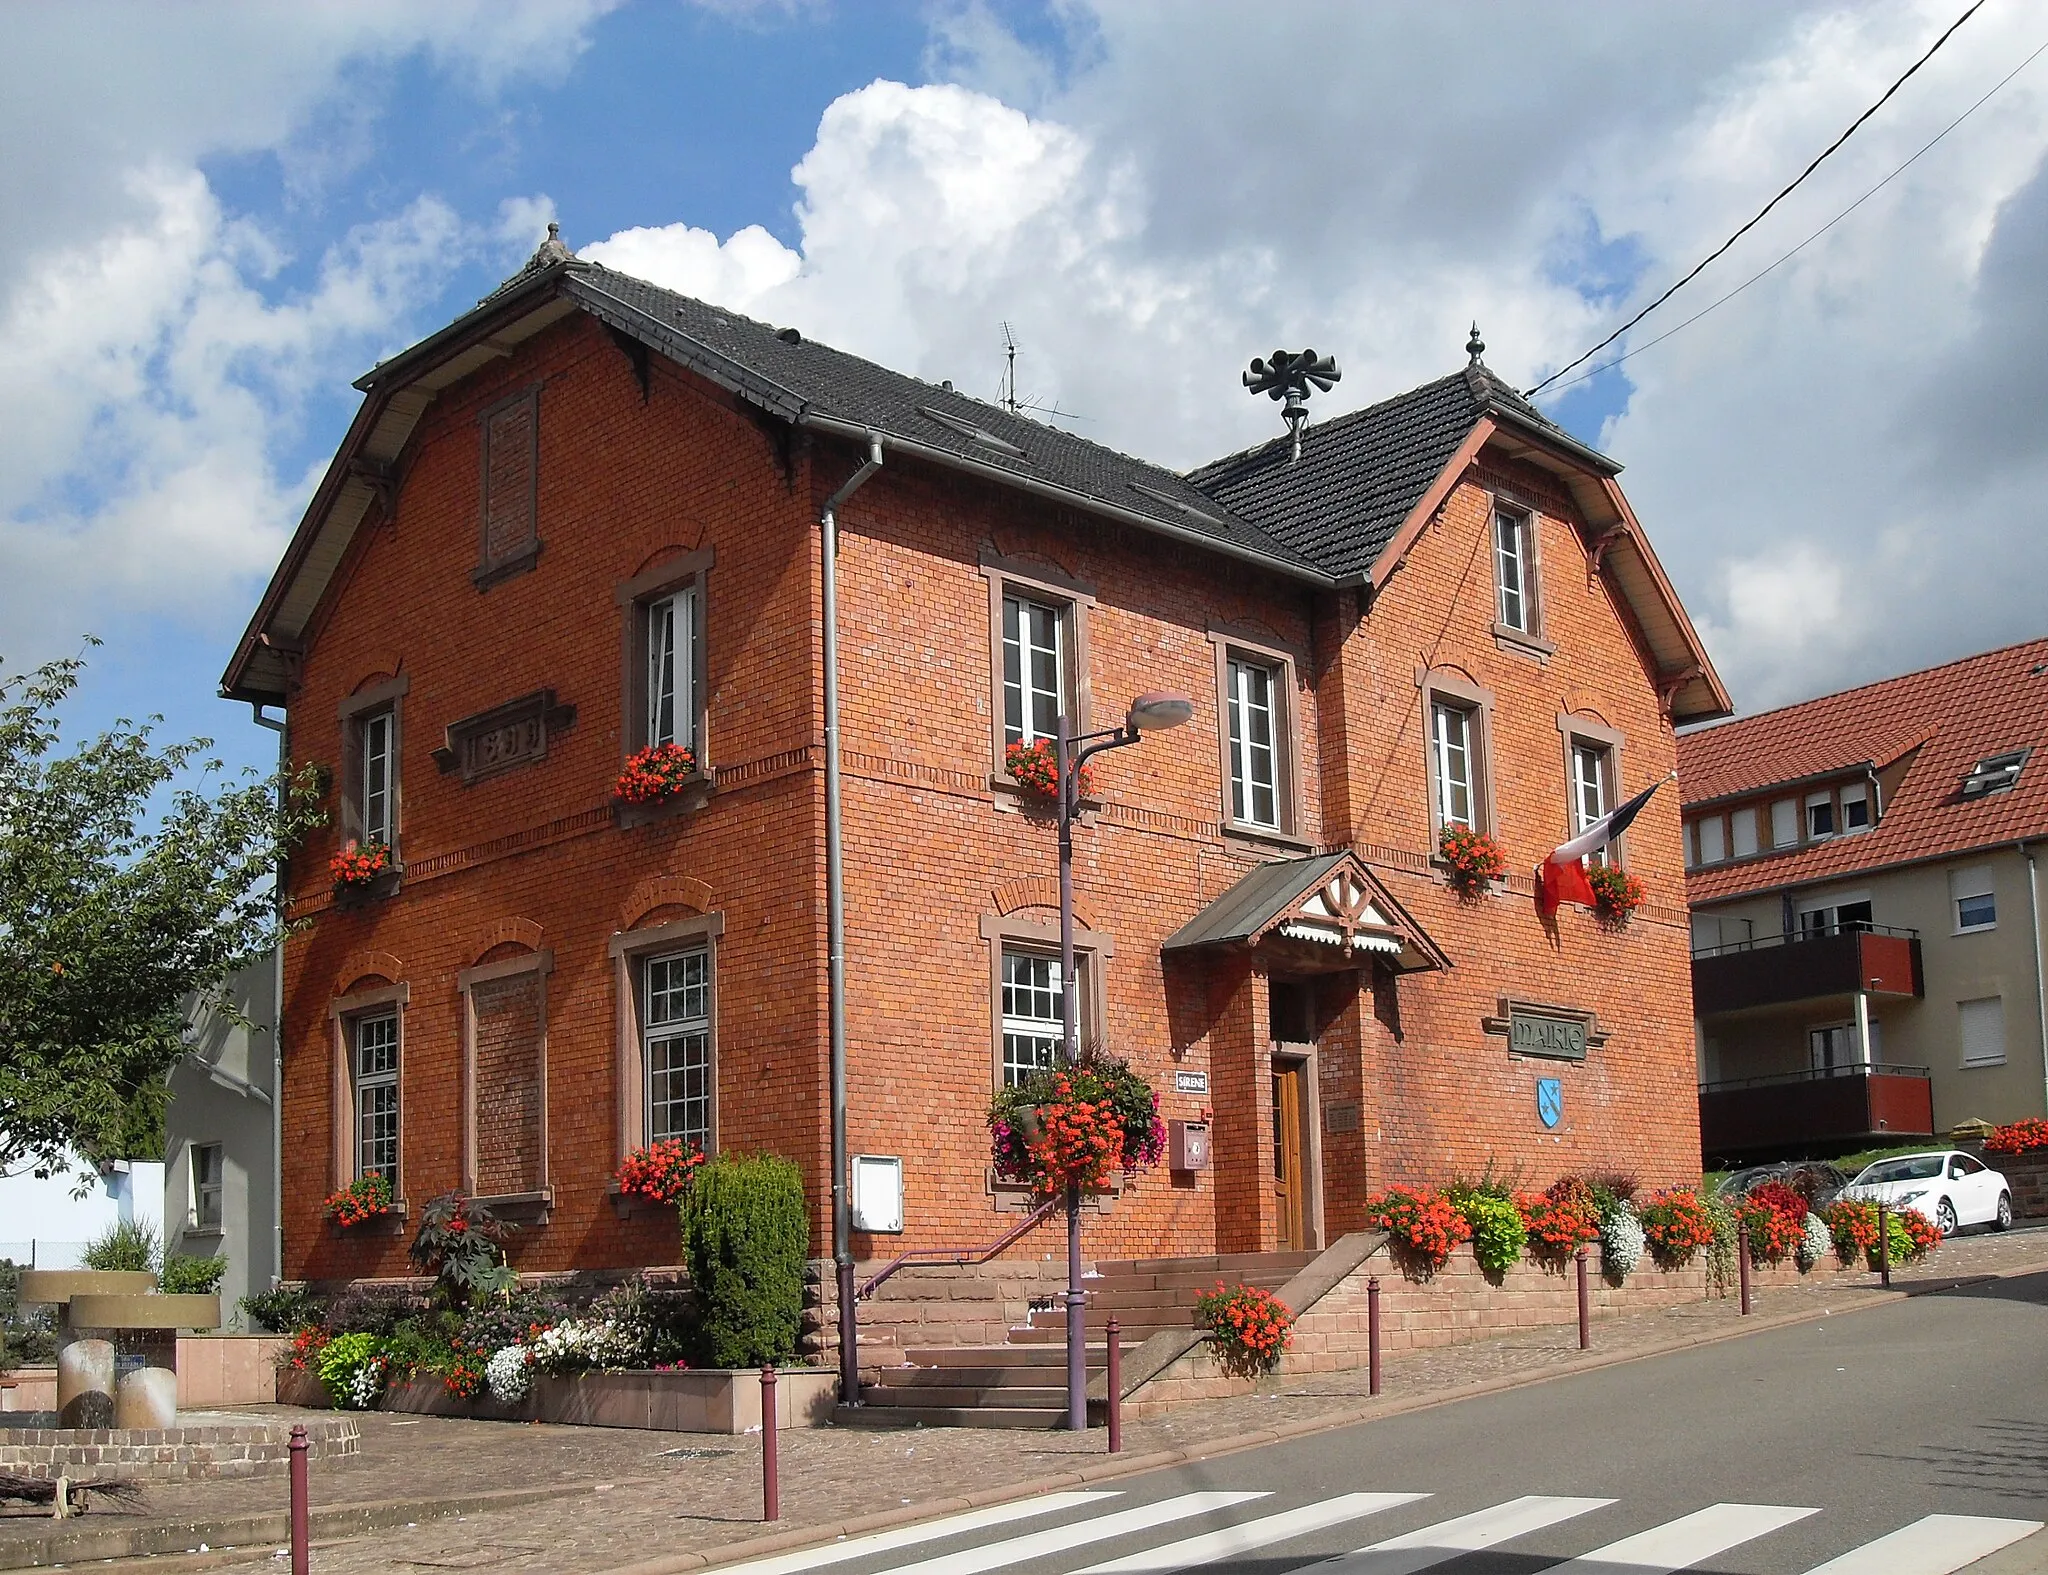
{"points": [[51, 1287], [102, 1311]]}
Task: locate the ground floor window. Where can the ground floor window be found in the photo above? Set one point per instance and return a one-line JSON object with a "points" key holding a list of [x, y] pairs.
{"points": [[675, 1028], [376, 1070], [1031, 1013], [206, 1186]]}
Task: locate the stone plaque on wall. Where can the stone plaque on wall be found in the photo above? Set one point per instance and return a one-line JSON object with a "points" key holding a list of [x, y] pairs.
{"points": [[513, 734], [1546, 1030]]}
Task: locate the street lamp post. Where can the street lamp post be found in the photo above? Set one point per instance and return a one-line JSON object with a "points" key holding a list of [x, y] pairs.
{"points": [[1149, 713]]}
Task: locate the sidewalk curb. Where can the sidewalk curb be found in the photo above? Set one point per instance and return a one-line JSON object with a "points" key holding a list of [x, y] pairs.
{"points": [[1110, 1468]]}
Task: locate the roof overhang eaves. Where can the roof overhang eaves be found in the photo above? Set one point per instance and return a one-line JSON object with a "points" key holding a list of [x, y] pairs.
{"points": [[1544, 436], [685, 350], [864, 432], [1973, 850]]}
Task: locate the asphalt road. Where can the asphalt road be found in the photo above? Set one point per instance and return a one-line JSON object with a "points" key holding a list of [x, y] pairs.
{"points": [[1833, 1434]]}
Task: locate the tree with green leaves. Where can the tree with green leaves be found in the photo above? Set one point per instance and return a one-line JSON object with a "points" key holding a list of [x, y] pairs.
{"points": [[134, 877]]}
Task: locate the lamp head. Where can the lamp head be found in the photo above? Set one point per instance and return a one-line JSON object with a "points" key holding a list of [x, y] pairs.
{"points": [[1158, 710]]}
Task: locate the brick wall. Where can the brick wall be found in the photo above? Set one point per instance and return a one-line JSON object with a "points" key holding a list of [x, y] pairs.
{"points": [[935, 854]]}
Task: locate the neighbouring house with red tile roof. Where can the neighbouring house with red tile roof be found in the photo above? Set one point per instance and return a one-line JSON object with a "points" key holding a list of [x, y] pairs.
{"points": [[1863, 872]]}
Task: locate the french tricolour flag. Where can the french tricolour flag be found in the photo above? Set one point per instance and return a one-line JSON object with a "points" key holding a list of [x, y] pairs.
{"points": [[1562, 876]]}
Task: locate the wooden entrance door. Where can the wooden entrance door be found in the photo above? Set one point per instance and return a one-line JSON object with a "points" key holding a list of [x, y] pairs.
{"points": [[1290, 1169]]}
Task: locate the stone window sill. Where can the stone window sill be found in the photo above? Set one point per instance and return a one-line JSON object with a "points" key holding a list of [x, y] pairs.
{"points": [[1013, 799], [691, 797], [390, 1223], [1017, 1197], [385, 886], [485, 575], [528, 1209], [1522, 643], [1264, 837], [637, 1205]]}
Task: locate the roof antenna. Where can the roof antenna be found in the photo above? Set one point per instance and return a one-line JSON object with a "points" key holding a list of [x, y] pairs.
{"points": [[1008, 397], [1289, 376]]}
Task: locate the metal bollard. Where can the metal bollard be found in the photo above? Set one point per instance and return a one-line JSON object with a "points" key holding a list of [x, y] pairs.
{"points": [[302, 1543], [1113, 1388], [1742, 1261], [1585, 1304], [771, 1480], [1372, 1335], [1884, 1246]]}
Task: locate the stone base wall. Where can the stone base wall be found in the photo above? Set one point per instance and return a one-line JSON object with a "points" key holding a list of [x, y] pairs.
{"points": [[228, 1369], [1458, 1304], [237, 1447], [2028, 1178], [929, 1305]]}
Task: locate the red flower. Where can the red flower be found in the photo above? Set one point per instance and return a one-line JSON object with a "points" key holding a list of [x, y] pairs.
{"points": [[362, 1199], [657, 772], [1474, 857], [1035, 767], [1249, 1327], [358, 864], [1616, 893], [2018, 1137], [1424, 1224], [661, 1170]]}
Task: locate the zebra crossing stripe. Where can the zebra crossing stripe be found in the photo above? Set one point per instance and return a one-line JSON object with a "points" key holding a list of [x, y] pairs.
{"points": [[1214, 1546], [911, 1536], [1932, 1545], [1680, 1544], [1451, 1539], [1058, 1539]]}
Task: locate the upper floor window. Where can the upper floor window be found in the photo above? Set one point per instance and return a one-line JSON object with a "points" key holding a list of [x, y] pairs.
{"points": [[1994, 773], [1712, 834], [675, 1027], [371, 789], [1784, 822], [1452, 750], [1982, 1025], [1254, 754], [1855, 807], [1976, 906], [1592, 783], [1835, 918], [1742, 833], [1513, 574], [1820, 815], [376, 1096], [671, 645], [377, 768], [664, 609], [1034, 670]]}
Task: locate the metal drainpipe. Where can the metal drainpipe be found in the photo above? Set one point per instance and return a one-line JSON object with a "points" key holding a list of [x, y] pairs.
{"points": [[835, 924], [281, 727], [2040, 970]]}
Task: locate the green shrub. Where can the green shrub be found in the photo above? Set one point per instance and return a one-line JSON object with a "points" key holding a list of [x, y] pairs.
{"points": [[185, 1275], [127, 1246], [746, 1232], [283, 1309], [1499, 1233], [353, 1368], [27, 1338]]}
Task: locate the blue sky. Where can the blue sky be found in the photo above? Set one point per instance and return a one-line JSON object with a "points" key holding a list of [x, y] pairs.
{"points": [[223, 217]]}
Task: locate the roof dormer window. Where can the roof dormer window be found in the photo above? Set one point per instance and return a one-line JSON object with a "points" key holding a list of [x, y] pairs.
{"points": [[1994, 774]]}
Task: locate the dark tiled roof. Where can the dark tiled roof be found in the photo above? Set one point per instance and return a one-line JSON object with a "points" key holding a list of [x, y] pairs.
{"points": [[1956, 715], [1361, 474], [799, 377], [1250, 904]]}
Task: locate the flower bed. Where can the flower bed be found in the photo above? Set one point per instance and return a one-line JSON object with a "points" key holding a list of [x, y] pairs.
{"points": [[1853, 1225], [2029, 1136]]}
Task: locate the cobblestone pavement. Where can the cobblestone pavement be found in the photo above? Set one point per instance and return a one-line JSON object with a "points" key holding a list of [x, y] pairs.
{"points": [[629, 1496]]}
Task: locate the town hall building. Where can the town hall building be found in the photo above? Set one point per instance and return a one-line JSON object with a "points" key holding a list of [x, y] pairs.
{"points": [[585, 518]]}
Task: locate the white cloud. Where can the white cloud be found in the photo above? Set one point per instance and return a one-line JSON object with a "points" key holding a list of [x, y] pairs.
{"points": [[1209, 182]]}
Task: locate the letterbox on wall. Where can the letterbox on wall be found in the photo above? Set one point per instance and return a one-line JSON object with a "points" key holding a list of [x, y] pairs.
{"points": [[878, 1193], [1187, 1145]]}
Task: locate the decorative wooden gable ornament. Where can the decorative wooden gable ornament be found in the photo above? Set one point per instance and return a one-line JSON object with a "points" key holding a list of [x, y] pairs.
{"points": [[1317, 915]]}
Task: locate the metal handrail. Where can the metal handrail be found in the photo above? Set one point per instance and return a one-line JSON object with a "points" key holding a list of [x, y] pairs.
{"points": [[959, 1256], [1816, 1075], [1852, 927]]}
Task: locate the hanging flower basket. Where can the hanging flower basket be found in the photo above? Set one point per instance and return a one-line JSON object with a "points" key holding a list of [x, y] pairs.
{"points": [[661, 1171], [656, 774], [1475, 859], [1616, 893], [1073, 1126], [1035, 768], [367, 1198], [358, 865]]}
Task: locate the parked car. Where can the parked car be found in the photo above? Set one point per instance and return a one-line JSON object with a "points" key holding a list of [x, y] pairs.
{"points": [[1814, 1179], [1950, 1188]]}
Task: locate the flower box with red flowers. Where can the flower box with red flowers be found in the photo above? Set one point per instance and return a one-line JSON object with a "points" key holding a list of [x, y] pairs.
{"points": [[1676, 1226], [1473, 859], [1249, 1328], [1422, 1227], [359, 866], [1616, 893], [1560, 1220], [1035, 769], [659, 1172], [657, 774], [2025, 1136], [1773, 1216], [1075, 1125], [362, 1200]]}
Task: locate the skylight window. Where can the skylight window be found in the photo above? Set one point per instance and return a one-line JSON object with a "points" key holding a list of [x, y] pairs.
{"points": [[1994, 774], [971, 432], [1178, 505]]}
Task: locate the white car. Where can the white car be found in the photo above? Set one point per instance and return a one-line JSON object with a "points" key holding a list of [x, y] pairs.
{"points": [[1950, 1188]]}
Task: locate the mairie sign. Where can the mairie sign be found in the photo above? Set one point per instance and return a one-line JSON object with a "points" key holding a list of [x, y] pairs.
{"points": [[1561, 1038]]}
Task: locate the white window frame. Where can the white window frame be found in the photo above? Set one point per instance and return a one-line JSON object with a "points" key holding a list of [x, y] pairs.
{"points": [[1449, 757], [1737, 821], [1857, 793], [375, 735], [1997, 1002], [1785, 822], [375, 1086], [1021, 649], [1821, 801], [1246, 711], [687, 1027], [204, 1190], [669, 636], [1514, 583], [1029, 977], [1855, 1051], [1973, 884], [1719, 850]]}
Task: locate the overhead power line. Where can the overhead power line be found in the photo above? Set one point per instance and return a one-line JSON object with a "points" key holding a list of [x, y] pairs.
{"points": [[1608, 366], [1761, 213]]}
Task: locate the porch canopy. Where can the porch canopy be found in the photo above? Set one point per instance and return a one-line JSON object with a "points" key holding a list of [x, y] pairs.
{"points": [[1322, 914]]}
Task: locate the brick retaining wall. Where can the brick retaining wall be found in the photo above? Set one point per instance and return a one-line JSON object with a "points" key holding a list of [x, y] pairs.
{"points": [[236, 1447]]}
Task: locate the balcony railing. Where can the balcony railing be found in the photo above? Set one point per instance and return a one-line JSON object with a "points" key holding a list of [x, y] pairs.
{"points": [[1774, 970], [1813, 1113]]}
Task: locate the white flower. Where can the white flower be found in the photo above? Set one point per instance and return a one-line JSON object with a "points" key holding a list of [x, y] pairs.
{"points": [[1621, 1242], [1814, 1244], [508, 1374], [579, 1345], [364, 1385]]}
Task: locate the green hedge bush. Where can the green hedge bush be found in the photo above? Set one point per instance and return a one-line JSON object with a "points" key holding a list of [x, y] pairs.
{"points": [[746, 1233]]}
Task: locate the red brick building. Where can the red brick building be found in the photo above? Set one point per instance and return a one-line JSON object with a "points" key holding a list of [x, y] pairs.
{"points": [[586, 516]]}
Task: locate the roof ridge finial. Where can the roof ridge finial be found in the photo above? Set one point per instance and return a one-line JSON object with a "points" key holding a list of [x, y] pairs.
{"points": [[1475, 347]]}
